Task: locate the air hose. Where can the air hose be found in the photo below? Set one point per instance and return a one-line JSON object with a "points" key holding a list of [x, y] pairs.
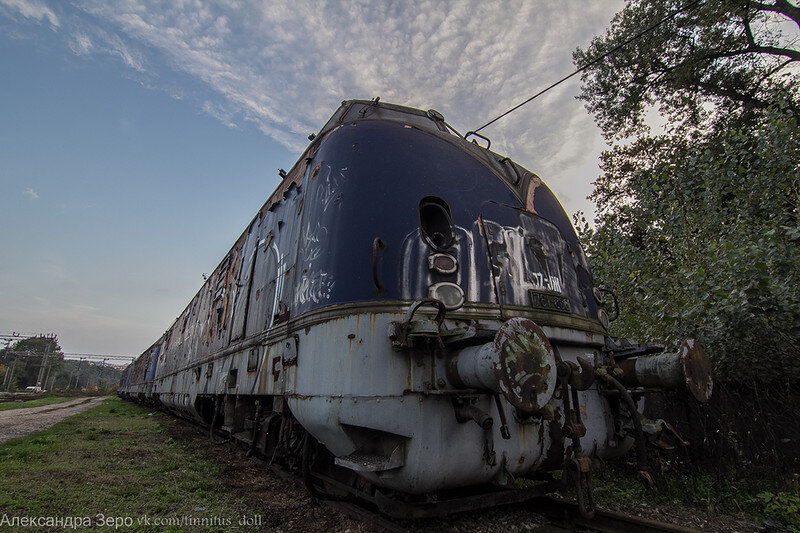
{"points": [[641, 446]]}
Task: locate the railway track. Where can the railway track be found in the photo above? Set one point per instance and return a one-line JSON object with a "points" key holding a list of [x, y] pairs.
{"points": [[565, 514], [558, 515]]}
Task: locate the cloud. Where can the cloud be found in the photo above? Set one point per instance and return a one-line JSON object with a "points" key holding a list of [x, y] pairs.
{"points": [[30, 193], [284, 67], [477, 58], [32, 9], [220, 113], [81, 44], [131, 58]]}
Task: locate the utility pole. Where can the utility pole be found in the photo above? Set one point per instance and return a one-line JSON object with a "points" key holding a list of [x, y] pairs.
{"points": [[7, 377], [10, 375], [47, 348], [69, 381], [78, 373], [46, 379], [17, 337], [88, 373]]}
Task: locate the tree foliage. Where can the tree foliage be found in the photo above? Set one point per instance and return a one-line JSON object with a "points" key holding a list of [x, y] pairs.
{"points": [[697, 229], [717, 59], [25, 357]]}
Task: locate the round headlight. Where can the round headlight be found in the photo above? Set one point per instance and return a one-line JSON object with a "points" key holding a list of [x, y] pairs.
{"points": [[449, 293], [602, 316], [598, 296]]}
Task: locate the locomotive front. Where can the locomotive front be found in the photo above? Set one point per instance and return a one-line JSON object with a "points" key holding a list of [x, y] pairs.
{"points": [[461, 330]]}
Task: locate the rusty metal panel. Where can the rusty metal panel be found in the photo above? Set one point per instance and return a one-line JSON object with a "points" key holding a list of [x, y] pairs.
{"points": [[532, 264], [367, 183], [263, 287], [243, 284], [471, 275], [351, 384]]}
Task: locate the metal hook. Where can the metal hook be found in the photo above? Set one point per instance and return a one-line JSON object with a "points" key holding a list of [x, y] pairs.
{"points": [[377, 246], [423, 301], [476, 134]]}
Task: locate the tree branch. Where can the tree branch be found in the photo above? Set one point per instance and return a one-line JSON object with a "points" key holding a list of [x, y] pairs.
{"points": [[760, 49], [794, 55], [733, 95], [748, 31], [781, 7], [773, 71]]}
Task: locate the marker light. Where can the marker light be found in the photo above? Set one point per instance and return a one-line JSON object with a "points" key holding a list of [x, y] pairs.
{"points": [[442, 263]]}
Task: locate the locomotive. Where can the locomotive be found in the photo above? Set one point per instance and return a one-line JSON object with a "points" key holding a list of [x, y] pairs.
{"points": [[410, 319]]}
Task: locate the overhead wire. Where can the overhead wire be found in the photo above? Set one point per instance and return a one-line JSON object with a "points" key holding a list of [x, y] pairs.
{"points": [[594, 61]]}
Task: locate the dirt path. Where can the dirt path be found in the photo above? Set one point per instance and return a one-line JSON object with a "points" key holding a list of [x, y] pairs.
{"points": [[20, 422]]}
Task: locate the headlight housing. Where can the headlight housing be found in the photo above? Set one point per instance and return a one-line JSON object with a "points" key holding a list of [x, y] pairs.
{"points": [[448, 293]]}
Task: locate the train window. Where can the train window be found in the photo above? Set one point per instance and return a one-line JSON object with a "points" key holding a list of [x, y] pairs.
{"points": [[232, 375], [210, 370], [225, 265], [252, 360], [436, 222], [262, 292]]}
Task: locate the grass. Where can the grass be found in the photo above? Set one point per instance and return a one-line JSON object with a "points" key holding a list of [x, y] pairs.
{"points": [[38, 402], [95, 465], [118, 461], [766, 494]]}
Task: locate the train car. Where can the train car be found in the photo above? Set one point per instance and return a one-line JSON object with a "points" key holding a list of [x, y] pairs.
{"points": [[410, 318]]}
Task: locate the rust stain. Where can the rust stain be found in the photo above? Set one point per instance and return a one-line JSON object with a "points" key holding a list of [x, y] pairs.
{"points": [[525, 369], [532, 185], [276, 371], [697, 369]]}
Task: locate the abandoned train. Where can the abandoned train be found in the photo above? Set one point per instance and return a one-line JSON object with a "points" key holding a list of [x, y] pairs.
{"points": [[411, 318]]}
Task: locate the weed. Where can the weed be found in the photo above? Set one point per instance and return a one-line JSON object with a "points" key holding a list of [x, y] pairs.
{"points": [[776, 497], [780, 506], [74, 469]]}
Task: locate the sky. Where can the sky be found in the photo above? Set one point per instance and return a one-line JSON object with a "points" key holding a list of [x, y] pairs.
{"points": [[139, 138]]}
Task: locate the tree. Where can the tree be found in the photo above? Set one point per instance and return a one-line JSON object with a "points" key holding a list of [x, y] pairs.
{"points": [[26, 357], [697, 229], [715, 59]]}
